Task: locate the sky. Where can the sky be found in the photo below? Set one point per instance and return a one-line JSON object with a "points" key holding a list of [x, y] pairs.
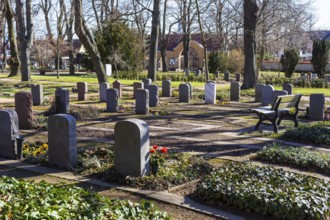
{"points": [[323, 12]]}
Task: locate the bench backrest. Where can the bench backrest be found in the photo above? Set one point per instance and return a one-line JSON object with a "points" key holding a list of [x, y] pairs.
{"points": [[286, 101]]}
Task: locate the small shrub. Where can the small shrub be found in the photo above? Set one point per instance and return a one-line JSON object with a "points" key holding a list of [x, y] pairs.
{"points": [[289, 61], [85, 112], [295, 157], [266, 190]]}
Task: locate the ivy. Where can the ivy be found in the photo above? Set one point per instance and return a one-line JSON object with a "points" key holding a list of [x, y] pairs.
{"points": [[266, 190], [295, 157], [20, 199]]}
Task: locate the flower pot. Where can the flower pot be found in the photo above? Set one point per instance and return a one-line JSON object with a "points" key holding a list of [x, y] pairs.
{"points": [[154, 168], [19, 145]]}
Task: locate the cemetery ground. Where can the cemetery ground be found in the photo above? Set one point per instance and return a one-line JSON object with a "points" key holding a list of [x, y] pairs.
{"points": [[199, 137]]}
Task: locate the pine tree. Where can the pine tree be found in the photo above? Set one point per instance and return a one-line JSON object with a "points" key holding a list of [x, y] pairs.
{"points": [[320, 56]]}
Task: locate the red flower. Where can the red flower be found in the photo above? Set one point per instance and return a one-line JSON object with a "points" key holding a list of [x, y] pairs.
{"points": [[155, 147], [152, 151], [164, 150]]}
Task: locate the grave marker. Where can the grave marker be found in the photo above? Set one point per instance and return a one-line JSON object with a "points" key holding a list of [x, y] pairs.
{"points": [[103, 91], [82, 89], [210, 93], [258, 92], [235, 90], [316, 107], [23, 108], [153, 95], [267, 95], [288, 87], [117, 85], [62, 101], [8, 133], [184, 93], [136, 86], [112, 100], [167, 88], [142, 101], [37, 94]]}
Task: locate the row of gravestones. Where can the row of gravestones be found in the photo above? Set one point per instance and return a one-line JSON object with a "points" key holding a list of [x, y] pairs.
{"points": [[131, 154], [267, 95], [313, 76], [216, 74]]}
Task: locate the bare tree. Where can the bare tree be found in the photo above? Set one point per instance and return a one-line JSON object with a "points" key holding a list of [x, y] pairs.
{"points": [[2, 17], [14, 60], [88, 41], [25, 30], [152, 69], [70, 40], [250, 25]]}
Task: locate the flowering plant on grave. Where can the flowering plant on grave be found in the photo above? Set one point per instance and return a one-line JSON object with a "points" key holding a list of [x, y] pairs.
{"points": [[157, 157], [327, 115]]}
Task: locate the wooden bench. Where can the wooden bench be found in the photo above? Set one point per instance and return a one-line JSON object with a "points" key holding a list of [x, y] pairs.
{"points": [[284, 107]]}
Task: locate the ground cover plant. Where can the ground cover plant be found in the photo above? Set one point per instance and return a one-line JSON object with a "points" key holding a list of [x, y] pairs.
{"points": [[296, 157], [98, 162], [318, 134], [21, 199], [266, 190]]}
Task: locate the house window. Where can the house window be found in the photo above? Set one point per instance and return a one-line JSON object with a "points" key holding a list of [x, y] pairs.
{"points": [[172, 61]]}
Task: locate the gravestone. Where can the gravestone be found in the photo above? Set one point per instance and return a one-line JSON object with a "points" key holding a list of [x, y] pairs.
{"points": [[187, 73], [190, 89], [198, 73], [167, 88], [235, 90], [258, 92], [82, 88], [23, 108], [142, 101], [136, 86], [288, 87], [117, 85], [132, 147], [314, 76], [238, 77], [153, 95], [267, 95], [62, 141], [112, 100], [62, 101], [327, 78], [37, 94], [108, 69], [226, 75], [146, 82], [316, 107], [210, 93], [216, 74], [103, 91], [8, 133], [184, 93], [277, 93]]}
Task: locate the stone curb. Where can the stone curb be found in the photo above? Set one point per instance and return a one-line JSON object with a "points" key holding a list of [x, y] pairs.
{"points": [[163, 196]]}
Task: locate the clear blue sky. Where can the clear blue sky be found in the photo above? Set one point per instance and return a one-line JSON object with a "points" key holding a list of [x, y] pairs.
{"points": [[323, 12]]}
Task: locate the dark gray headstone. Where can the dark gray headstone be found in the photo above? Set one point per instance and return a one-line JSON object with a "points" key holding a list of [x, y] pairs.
{"points": [[37, 94], [210, 93], [190, 89], [258, 92], [153, 95], [235, 91], [198, 73], [136, 86], [216, 74], [167, 88], [314, 76], [238, 77], [62, 141], [82, 89], [142, 101], [62, 101], [23, 108], [132, 147], [226, 75], [184, 93], [288, 87], [327, 78], [267, 95], [112, 100], [117, 85], [103, 91], [316, 107], [8, 132], [146, 82], [277, 93]]}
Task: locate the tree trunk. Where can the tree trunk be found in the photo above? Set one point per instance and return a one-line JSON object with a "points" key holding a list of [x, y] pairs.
{"points": [[25, 37], [46, 6], [152, 70], [14, 60], [88, 41], [2, 17], [163, 41], [250, 23]]}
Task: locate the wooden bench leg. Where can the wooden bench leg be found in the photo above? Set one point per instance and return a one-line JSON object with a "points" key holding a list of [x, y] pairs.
{"points": [[295, 119], [275, 126], [256, 128]]}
